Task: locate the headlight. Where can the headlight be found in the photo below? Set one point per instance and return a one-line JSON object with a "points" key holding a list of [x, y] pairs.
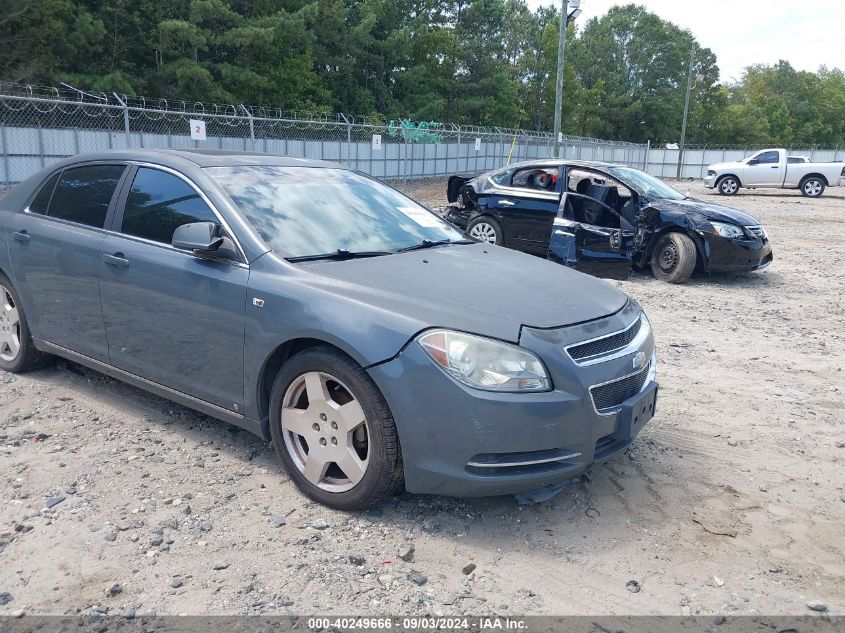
{"points": [[710, 172], [483, 363], [730, 231]]}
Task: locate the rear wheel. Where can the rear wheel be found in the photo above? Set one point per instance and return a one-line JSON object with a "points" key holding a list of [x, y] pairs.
{"points": [[728, 185], [17, 351], [673, 258], [334, 431], [485, 229], [812, 186]]}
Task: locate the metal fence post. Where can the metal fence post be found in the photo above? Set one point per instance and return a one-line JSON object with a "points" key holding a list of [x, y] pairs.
{"points": [[251, 124], [348, 138], [41, 144], [645, 158], [8, 177], [125, 117]]}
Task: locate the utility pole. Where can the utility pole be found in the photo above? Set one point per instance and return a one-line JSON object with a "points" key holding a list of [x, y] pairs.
{"points": [[686, 111], [564, 20]]}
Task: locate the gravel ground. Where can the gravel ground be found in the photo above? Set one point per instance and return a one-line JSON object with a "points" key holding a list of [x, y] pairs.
{"points": [[732, 501]]}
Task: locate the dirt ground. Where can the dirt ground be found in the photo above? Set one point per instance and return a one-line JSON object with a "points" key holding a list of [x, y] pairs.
{"points": [[732, 501]]}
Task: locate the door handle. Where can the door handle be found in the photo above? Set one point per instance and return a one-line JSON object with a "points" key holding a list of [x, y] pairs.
{"points": [[506, 203], [21, 236], [775, 166], [117, 260]]}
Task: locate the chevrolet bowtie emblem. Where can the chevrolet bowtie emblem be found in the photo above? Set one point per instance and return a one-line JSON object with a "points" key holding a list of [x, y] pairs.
{"points": [[639, 359]]}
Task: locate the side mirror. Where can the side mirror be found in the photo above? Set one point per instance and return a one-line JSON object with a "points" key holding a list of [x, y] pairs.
{"points": [[201, 238], [754, 161]]}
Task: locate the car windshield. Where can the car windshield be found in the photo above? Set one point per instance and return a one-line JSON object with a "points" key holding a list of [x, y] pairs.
{"points": [[308, 211], [647, 185]]}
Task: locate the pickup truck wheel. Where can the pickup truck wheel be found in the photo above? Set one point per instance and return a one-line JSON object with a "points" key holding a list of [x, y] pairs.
{"points": [[485, 229], [727, 185], [673, 258], [17, 351], [812, 186], [333, 430]]}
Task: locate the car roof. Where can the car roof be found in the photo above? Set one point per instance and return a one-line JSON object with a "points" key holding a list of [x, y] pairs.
{"points": [[563, 161], [199, 158]]}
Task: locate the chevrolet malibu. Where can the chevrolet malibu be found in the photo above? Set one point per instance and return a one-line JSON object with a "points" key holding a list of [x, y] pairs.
{"points": [[319, 309]]}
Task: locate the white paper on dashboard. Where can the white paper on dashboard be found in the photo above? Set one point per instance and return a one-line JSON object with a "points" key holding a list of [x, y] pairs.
{"points": [[421, 216]]}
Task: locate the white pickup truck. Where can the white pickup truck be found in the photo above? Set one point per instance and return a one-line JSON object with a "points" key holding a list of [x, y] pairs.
{"points": [[772, 168]]}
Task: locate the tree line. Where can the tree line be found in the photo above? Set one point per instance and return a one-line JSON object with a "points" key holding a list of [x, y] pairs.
{"points": [[482, 62]]}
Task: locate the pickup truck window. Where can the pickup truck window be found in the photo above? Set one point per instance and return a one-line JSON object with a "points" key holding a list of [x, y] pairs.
{"points": [[768, 157]]}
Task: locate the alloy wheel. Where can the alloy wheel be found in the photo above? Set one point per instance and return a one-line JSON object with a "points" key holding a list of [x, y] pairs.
{"points": [[729, 185], [483, 232], [325, 431], [10, 327], [812, 188]]}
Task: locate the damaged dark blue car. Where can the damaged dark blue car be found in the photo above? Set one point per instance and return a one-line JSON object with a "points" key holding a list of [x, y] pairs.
{"points": [[605, 219]]}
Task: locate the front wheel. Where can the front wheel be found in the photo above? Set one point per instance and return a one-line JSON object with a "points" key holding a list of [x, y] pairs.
{"points": [[812, 187], [333, 430], [485, 229], [728, 186], [673, 258]]}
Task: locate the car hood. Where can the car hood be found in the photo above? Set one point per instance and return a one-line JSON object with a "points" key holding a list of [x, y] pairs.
{"points": [[477, 288], [699, 210], [717, 167]]}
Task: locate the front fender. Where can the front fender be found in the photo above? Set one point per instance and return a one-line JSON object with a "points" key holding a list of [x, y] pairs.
{"points": [[284, 306]]}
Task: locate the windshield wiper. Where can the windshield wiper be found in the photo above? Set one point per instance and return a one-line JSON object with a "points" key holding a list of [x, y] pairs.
{"points": [[339, 254], [432, 243]]}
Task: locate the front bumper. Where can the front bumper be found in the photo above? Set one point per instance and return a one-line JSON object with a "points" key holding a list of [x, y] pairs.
{"points": [[453, 436], [710, 181], [723, 255]]}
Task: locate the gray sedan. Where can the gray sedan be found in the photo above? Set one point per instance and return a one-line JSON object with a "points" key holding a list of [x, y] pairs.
{"points": [[326, 312]]}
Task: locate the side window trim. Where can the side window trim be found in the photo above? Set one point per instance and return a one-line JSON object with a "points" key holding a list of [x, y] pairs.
{"points": [[112, 202], [37, 191], [511, 189], [126, 188]]}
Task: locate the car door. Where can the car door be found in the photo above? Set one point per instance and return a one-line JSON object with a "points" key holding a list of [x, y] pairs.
{"points": [[170, 316], [55, 247], [528, 209], [763, 169], [599, 242]]}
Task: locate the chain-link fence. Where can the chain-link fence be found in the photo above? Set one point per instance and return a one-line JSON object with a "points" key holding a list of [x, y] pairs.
{"points": [[41, 125]]}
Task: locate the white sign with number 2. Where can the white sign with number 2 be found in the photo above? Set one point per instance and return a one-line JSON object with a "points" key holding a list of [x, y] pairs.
{"points": [[197, 130]]}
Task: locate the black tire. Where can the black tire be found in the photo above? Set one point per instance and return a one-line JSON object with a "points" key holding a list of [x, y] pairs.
{"points": [[479, 222], [811, 186], [27, 358], [384, 474], [673, 259], [728, 185]]}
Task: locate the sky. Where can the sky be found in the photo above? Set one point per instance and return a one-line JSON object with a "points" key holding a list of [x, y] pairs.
{"points": [[743, 32]]}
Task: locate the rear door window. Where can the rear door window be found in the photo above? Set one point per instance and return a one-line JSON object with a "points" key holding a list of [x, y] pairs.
{"points": [[83, 194], [535, 178], [158, 203]]}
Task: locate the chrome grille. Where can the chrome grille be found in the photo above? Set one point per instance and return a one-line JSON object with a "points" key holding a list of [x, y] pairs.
{"points": [[608, 397], [582, 353], [756, 231]]}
